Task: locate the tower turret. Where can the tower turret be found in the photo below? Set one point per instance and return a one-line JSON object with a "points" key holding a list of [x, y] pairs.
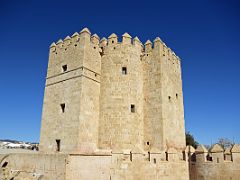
{"points": [[121, 110], [71, 102]]}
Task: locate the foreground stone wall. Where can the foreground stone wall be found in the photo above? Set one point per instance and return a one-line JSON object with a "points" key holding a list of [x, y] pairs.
{"points": [[195, 164], [152, 166], [31, 166], [88, 167], [214, 164], [118, 165], [115, 165]]}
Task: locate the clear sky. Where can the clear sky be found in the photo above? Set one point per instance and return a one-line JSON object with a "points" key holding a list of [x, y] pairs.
{"points": [[205, 34]]}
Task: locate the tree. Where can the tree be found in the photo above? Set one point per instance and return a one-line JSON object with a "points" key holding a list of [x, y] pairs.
{"points": [[190, 140], [225, 142]]}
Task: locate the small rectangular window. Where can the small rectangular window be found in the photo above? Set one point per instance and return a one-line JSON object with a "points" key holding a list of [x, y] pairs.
{"points": [[124, 70], [64, 68], [58, 144], [62, 107], [155, 160], [132, 108]]}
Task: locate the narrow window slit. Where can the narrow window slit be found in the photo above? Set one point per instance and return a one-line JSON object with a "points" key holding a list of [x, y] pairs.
{"points": [[62, 107], [132, 108], [5, 164], [155, 160], [58, 141], [124, 70], [64, 68]]}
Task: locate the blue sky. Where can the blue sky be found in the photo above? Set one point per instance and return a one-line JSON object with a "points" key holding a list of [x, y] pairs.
{"points": [[205, 34]]}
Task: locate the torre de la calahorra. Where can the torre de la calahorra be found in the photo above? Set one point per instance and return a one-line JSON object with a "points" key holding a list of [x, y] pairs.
{"points": [[113, 110]]}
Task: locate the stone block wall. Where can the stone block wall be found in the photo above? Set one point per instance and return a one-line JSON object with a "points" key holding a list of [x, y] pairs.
{"points": [[163, 98], [121, 97], [71, 100], [216, 163], [33, 166], [130, 165], [115, 94]]}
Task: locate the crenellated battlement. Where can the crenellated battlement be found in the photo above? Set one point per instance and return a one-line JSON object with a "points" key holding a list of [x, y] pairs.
{"points": [[155, 155], [215, 162], [216, 154], [76, 39]]}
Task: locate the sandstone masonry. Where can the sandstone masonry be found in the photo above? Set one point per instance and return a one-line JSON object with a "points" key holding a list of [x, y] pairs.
{"points": [[112, 110], [116, 95]]}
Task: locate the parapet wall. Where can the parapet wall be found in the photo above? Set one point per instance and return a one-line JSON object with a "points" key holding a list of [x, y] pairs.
{"points": [[215, 163], [128, 164], [116, 164], [33, 166]]}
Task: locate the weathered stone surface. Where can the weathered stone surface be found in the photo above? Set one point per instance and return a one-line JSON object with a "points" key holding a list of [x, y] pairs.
{"points": [[216, 148], [218, 165], [114, 110]]}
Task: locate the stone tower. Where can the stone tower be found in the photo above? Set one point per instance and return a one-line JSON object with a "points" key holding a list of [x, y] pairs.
{"points": [[121, 99], [71, 101], [112, 95], [163, 98]]}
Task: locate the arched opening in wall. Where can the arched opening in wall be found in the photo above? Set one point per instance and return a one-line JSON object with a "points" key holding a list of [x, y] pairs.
{"points": [[112, 42], [176, 95], [131, 156], [149, 156], [148, 143], [169, 98], [5, 164], [12, 178]]}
